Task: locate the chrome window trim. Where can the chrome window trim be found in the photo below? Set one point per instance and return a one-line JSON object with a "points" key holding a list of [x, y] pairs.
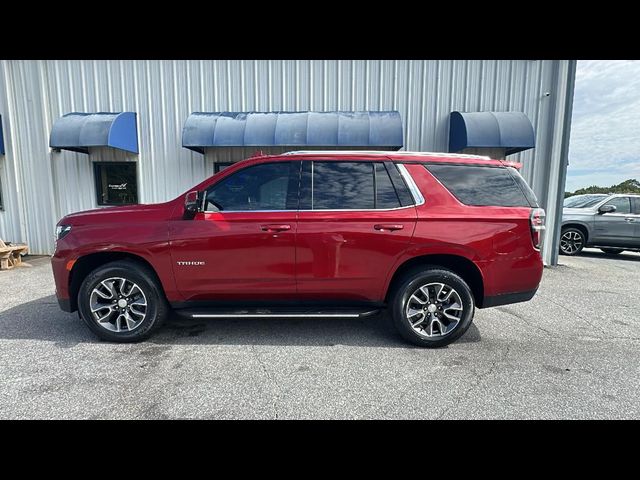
{"points": [[413, 188], [328, 210]]}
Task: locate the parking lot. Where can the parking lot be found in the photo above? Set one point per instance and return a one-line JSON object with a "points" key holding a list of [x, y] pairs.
{"points": [[572, 352]]}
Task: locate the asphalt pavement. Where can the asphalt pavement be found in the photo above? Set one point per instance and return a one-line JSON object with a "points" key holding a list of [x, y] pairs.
{"points": [[572, 352]]}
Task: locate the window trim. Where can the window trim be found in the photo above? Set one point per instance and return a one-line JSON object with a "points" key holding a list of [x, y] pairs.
{"points": [[418, 198], [206, 190], [95, 179]]}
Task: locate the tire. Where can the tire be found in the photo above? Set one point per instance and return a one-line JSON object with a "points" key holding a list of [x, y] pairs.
{"points": [[403, 300], [147, 310], [572, 241], [612, 251]]}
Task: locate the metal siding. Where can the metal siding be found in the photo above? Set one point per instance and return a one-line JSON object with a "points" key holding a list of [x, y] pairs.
{"points": [[163, 93]]}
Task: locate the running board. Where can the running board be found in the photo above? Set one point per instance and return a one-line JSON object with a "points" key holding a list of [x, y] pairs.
{"points": [[276, 313]]}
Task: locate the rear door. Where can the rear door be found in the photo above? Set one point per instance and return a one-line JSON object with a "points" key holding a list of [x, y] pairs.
{"points": [[617, 228], [355, 219]]}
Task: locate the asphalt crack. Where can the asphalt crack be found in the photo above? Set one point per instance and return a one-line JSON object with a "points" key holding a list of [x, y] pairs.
{"points": [[524, 319], [479, 378], [271, 378]]}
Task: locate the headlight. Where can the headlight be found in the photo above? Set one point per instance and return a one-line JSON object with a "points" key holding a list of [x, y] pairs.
{"points": [[62, 231]]}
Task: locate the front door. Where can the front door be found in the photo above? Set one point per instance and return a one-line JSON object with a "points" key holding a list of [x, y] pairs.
{"points": [[352, 226], [242, 247], [616, 228]]}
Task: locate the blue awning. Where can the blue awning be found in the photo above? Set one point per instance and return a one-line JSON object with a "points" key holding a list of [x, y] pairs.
{"points": [[78, 131], [510, 130], [1, 138], [318, 129]]}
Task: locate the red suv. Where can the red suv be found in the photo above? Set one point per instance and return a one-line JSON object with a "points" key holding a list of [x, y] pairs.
{"points": [[429, 236]]}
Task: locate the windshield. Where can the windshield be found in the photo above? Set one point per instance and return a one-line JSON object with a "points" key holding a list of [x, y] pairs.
{"points": [[583, 201]]}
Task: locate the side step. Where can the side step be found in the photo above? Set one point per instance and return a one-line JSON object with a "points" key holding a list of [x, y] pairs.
{"points": [[276, 313]]}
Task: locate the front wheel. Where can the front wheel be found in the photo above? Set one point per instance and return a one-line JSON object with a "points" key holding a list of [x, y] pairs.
{"points": [[122, 302], [572, 241], [432, 307]]}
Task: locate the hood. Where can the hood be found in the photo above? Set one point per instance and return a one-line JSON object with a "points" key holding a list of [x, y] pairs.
{"points": [[140, 212]]}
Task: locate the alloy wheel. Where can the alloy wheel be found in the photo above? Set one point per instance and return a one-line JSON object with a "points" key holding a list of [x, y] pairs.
{"points": [[118, 304], [571, 242], [434, 310]]}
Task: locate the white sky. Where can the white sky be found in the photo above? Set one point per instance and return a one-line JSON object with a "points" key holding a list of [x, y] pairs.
{"points": [[605, 127]]}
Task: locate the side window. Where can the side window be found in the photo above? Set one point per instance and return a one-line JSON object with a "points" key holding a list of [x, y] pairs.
{"points": [[342, 185], [622, 204], [386, 196], [480, 185], [268, 186]]}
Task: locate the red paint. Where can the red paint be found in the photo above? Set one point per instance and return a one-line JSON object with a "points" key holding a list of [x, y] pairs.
{"points": [[308, 255]]}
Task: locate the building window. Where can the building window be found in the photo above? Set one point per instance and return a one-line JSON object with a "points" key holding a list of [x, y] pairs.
{"points": [[219, 166], [116, 183]]}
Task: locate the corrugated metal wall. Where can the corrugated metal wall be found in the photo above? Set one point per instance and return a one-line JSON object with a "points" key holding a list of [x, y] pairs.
{"points": [[40, 186]]}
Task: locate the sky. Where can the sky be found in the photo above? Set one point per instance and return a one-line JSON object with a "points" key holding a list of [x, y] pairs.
{"points": [[605, 128]]}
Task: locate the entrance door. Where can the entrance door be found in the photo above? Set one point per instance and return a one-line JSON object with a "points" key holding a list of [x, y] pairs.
{"points": [[242, 247]]}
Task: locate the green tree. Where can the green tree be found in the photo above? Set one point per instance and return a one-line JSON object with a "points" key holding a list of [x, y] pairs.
{"points": [[628, 186]]}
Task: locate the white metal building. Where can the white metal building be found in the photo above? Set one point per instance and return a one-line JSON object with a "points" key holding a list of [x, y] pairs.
{"points": [[40, 184]]}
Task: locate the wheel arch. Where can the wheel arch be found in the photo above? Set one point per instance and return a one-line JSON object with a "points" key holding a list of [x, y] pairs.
{"points": [[580, 226], [462, 266], [88, 263]]}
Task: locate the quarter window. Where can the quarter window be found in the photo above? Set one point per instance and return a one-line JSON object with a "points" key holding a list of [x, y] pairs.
{"points": [[622, 204], [481, 185], [268, 186], [116, 183]]}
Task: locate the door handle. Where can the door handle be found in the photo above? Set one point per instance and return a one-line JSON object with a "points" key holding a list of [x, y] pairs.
{"points": [[275, 228], [629, 219], [386, 226]]}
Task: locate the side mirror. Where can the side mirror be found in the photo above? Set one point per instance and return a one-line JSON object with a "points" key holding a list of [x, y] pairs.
{"points": [[607, 209], [192, 204]]}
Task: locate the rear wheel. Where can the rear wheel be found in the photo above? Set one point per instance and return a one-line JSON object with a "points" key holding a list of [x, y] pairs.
{"points": [[572, 241], [122, 302], [432, 307], [612, 251]]}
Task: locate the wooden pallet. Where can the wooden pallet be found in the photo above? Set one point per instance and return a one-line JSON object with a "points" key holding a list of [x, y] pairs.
{"points": [[10, 255]]}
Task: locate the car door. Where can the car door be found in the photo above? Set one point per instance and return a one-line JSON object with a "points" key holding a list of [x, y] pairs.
{"points": [[615, 228], [242, 246], [355, 219]]}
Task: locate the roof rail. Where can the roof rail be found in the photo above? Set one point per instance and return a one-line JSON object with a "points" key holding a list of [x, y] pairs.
{"points": [[382, 152]]}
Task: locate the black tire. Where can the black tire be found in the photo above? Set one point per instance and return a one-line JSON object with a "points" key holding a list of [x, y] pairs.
{"points": [[572, 241], [612, 251], [157, 308], [409, 284]]}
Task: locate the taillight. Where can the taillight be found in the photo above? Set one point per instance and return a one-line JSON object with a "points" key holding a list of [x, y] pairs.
{"points": [[537, 227]]}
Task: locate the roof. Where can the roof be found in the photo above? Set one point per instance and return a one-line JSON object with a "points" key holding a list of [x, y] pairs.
{"points": [[412, 157], [318, 129]]}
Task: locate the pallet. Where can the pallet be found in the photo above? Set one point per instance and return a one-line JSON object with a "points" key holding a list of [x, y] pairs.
{"points": [[11, 255]]}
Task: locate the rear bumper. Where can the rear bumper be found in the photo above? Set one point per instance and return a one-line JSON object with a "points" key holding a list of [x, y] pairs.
{"points": [[508, 298]]}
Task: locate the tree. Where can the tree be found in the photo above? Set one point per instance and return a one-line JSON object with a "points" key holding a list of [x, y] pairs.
{"points": [[628, 186]]}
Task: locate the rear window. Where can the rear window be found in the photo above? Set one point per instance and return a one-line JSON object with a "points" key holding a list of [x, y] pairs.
{"points": [[484, 186]]}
